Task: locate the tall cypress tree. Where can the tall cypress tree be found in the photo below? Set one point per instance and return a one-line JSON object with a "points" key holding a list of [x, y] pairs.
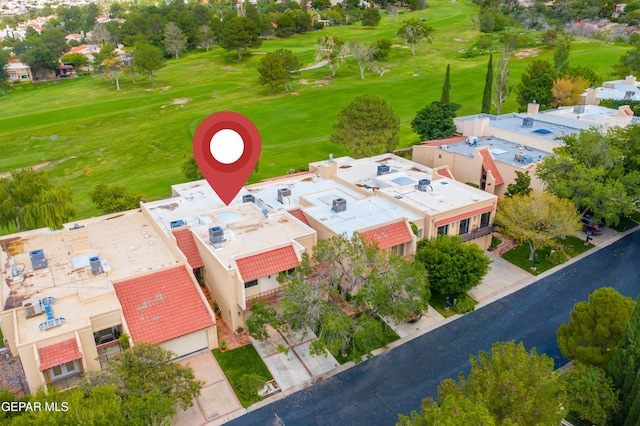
{"points": [[446, 88], [488, 87]]}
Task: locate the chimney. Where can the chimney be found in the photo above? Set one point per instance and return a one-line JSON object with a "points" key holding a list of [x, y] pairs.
{"points": [[328, 170], [630, 80], [533, 108], [625, 111], [591, 97]]}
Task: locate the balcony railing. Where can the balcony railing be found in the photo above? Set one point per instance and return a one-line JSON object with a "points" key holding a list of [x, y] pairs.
{"points": [[66, 382], [477, 233], [107, 351], [266, 296]]}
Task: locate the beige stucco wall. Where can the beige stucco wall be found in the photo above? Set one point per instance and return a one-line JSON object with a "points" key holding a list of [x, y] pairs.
{"points": [[184, 345]]}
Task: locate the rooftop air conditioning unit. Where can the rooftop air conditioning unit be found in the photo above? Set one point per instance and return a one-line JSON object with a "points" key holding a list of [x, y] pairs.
{"points": [[519, 156], [283, 192], [339, 205], [177, 223], [383, 169], [527, 122], [31, 308], [216, 235], [579, 109], [38, 259], [248, 198], [96, 266], [423, 184]]}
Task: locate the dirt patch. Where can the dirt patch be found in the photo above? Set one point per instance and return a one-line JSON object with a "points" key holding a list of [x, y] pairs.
{"points": [[397, 46], [303, 81], [180, 101], [39, 166], [459, 40], [257, 53], [197, 68], [525, 53], [228, 68], [295, 93]]}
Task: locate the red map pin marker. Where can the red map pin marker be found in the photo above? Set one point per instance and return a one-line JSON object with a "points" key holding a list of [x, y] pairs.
{"points": [[226, 148]]}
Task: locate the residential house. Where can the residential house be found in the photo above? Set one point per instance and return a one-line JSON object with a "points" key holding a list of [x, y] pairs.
{"points": [[17, 71]]}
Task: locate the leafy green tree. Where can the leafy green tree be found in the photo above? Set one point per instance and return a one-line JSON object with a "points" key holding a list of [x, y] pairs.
{"points": [[521, 185], [277, 68], [595, 327], [302, 20], [509, 386], [363, 54], [596, 171], [445, 98], [112, 69], [452, 266], [76, 59], [536, 83], [538, 219], [488, 87], [435, 121], [413, 32], [4, 60], [190, 169], [28, 201], [240, 33], [382, 49], [286, 25], [371, 17], [149, 384], [561, 54], [333, 50], [54, 40], [629, 63], [367, 126], [590, 394], [174, 39], [40, 59], [111, 198], [148, 58], [417, 5]]}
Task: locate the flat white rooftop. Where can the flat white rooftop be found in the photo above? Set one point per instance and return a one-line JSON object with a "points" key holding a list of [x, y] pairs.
{"points": [[502, 150]]}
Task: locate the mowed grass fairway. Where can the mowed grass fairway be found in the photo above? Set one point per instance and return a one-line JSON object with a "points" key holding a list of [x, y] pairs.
{"points": [[139, 136]]}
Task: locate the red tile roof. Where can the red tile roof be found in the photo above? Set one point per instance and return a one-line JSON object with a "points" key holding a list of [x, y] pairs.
{"points": [[446, 141], [389, 235], [464, 215], [489, 165], [298, 214], [161, 306], [445, 173], [187, 246], [267, 263], [58, 353]]}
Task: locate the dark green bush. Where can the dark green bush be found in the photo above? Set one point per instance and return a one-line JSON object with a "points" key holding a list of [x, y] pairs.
{"points": [[249, 385], [464, 304]]}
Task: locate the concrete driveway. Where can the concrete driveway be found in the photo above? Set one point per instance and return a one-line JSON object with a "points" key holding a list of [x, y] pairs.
{"points": [[217, 402]]}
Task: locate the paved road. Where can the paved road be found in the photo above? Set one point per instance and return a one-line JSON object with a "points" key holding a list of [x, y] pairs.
{"points": [[373, 392]]}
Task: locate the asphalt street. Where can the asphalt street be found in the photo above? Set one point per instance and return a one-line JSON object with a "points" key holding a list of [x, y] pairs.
{"points": [[375, 391]]}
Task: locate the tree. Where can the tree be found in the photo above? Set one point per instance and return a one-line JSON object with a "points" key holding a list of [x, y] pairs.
{"points": [[413, 32], [537, 81], [488, 87], [76, 59], [363, 54], [371, 17], [367, 126], [148, 382], [174, 39], [148, 58], [596, 172], [561, 54], [333, 50], [54, 40], [567, 91], [595, 327], [502, 87], [590, 394], [190, 169], [111, 198], [537, 219], [112, 68], [39, 58], [629, 63], [445, 98], [277, 68], [207, 36], [4, 60], [452, 266], [240, 33], [435, 121], [510, 386], [28, 201], [521, 185], [286, 25]]}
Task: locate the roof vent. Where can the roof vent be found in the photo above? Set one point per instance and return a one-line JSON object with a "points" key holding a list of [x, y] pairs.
{"points": [[177, 223], [423, 184], [248, 198], [282, 193], [216, 235], [31, 308], [96, 266], [521, 157], [339, 205], [383, 169], [579, 109], [527, 122], [75, 227], [629, 94], [38, 259]]}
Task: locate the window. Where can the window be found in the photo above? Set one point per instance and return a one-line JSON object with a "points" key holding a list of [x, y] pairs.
{"points": [[484, 219], [250, 284], [399, 249], [464, 226], [64, 369], [419, 234], [443, 230]]}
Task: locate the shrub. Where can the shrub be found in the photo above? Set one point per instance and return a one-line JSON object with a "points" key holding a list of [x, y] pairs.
{"points": [[223, 344], [248, 386], [495, 242], [383, 48], [557, 256], [464, 304]]}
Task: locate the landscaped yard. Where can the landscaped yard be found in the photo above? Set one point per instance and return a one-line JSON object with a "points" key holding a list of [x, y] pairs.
{"points": [[438, 301], [388, 336], [519, 255], [86, 132], [239, 362]]}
